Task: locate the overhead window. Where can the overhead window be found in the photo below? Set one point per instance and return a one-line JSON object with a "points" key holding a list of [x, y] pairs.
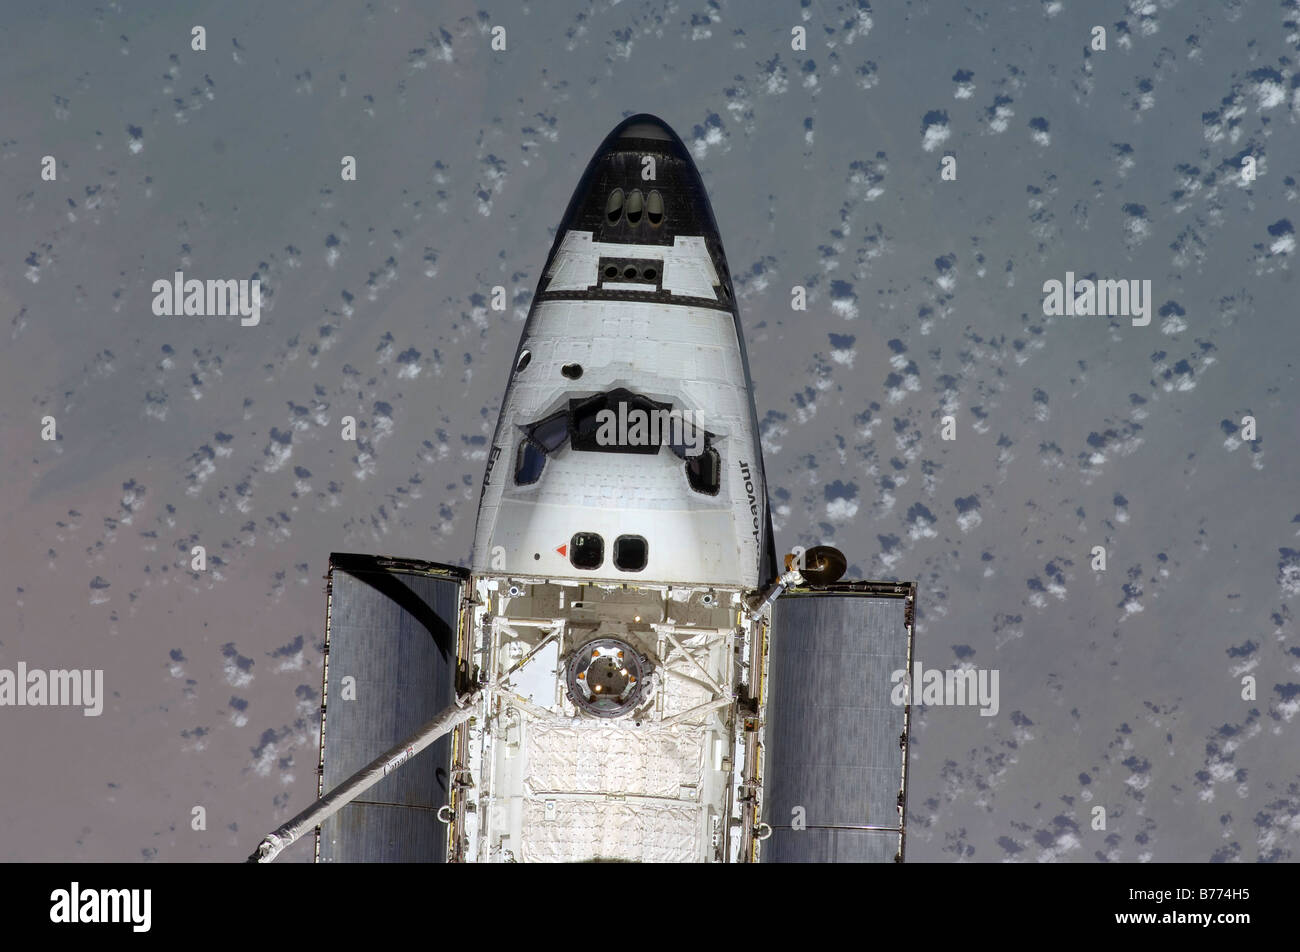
{"points": [[586, 550], [630, 553]]}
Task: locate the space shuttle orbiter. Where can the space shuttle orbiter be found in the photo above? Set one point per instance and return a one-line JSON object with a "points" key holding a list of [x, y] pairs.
{"points": [[623, 674], [634, 319]]}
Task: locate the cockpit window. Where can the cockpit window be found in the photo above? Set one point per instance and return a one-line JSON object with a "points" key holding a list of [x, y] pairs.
{"points": [[529, 463], [704, 472], [551, 432], [596, 426], [688, 440], [620, 421], [630, 553], [586, 550], [539, 439]]}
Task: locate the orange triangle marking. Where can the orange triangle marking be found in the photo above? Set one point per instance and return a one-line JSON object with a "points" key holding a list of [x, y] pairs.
{"points": [[562, 549]]}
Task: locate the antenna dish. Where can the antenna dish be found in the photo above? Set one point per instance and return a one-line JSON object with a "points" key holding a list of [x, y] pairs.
{"points": [[822, 565]]}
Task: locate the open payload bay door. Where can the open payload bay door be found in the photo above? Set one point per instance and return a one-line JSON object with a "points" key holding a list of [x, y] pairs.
{"points": [[391, 633], [835, 760]]}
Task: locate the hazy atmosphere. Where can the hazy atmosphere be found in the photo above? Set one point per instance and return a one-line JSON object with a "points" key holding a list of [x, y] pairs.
{"points": [[1163, 687]]}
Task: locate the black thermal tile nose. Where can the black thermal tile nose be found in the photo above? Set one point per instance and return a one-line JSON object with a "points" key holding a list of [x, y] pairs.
{"points": [[641, 187], [645, 126]]}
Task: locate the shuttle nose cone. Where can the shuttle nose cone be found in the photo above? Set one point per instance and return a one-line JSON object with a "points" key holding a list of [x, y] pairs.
{"points": [[644, 126], [642, 188]]}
